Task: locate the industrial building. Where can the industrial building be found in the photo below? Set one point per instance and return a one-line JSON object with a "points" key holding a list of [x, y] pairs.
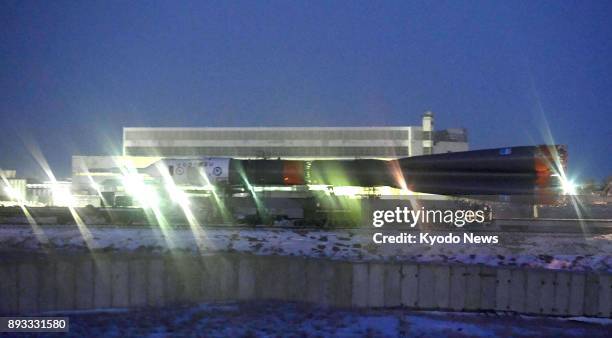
{"points": [[295, 142], [143, 146], [12, 187], [15, 191]]}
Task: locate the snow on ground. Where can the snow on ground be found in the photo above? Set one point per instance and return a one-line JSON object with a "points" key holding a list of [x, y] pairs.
{"points": [[551, 251], [278, 319]]}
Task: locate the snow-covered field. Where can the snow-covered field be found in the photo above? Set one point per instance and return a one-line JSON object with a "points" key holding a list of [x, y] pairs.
{"points": [[552, 251], [276, 319]]}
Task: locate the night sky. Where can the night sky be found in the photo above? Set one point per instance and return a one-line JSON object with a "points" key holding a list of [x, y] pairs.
{"points": [[72, 74]]}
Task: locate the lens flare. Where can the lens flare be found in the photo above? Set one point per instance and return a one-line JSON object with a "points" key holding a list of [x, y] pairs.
{"points": [[568, 186], [558, 166], [58, 190], [180, 197], [146, 196], [219, 203], [20, 200]]}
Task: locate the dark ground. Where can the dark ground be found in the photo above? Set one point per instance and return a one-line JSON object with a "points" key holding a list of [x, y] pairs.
{"points": [[275, 319]]}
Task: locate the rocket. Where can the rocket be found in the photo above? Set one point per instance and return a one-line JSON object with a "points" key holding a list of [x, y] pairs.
{"points": [[525, 170]]}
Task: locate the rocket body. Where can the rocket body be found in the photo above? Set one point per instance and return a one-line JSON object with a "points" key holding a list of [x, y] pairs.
{"points": [[502, 171]]}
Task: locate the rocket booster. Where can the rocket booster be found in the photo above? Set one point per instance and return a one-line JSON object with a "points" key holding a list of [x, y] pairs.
{"points": [[524, 170]]}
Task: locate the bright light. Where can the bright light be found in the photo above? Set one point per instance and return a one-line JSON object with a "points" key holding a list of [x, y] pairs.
{"points": [[176, 194], [61, 194], [318, 187], [17, 196], [60, 191], [9, 191], [13, 194], [95, 186], [569, 188], [135, 186], [206, 187], [349, 191], [259, 188]]}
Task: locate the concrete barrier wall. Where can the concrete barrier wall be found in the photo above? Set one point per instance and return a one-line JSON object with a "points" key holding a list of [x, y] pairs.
{"points": [[32, 284]]}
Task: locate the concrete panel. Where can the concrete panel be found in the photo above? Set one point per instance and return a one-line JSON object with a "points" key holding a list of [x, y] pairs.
{"points": [[591, 295], [246, 279], [8, 288], [269, 280], [313, 281], [320, 282], [296, 280], [85, 284], [576, 299], [410, 285], [28, 288], [342, 287], [65, 283], [427, 287], [228, 278], [458, 285], [210, 280], [442, 287], [172, 283], [275, 280], [327, 283], [472, 290], [605, 296], [392, 289], [518, 290], [262, 291], [534, 282], [487, 288], [102, 283], [562, 293], [376, 278], [502, 291], [120, 283], [138, 282], [360, 285], [547, 293], [155, 285], [191, 275], [47, 289]]}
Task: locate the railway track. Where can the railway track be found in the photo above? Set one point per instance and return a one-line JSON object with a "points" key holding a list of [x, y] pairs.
{"points": [[577, 226]]}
